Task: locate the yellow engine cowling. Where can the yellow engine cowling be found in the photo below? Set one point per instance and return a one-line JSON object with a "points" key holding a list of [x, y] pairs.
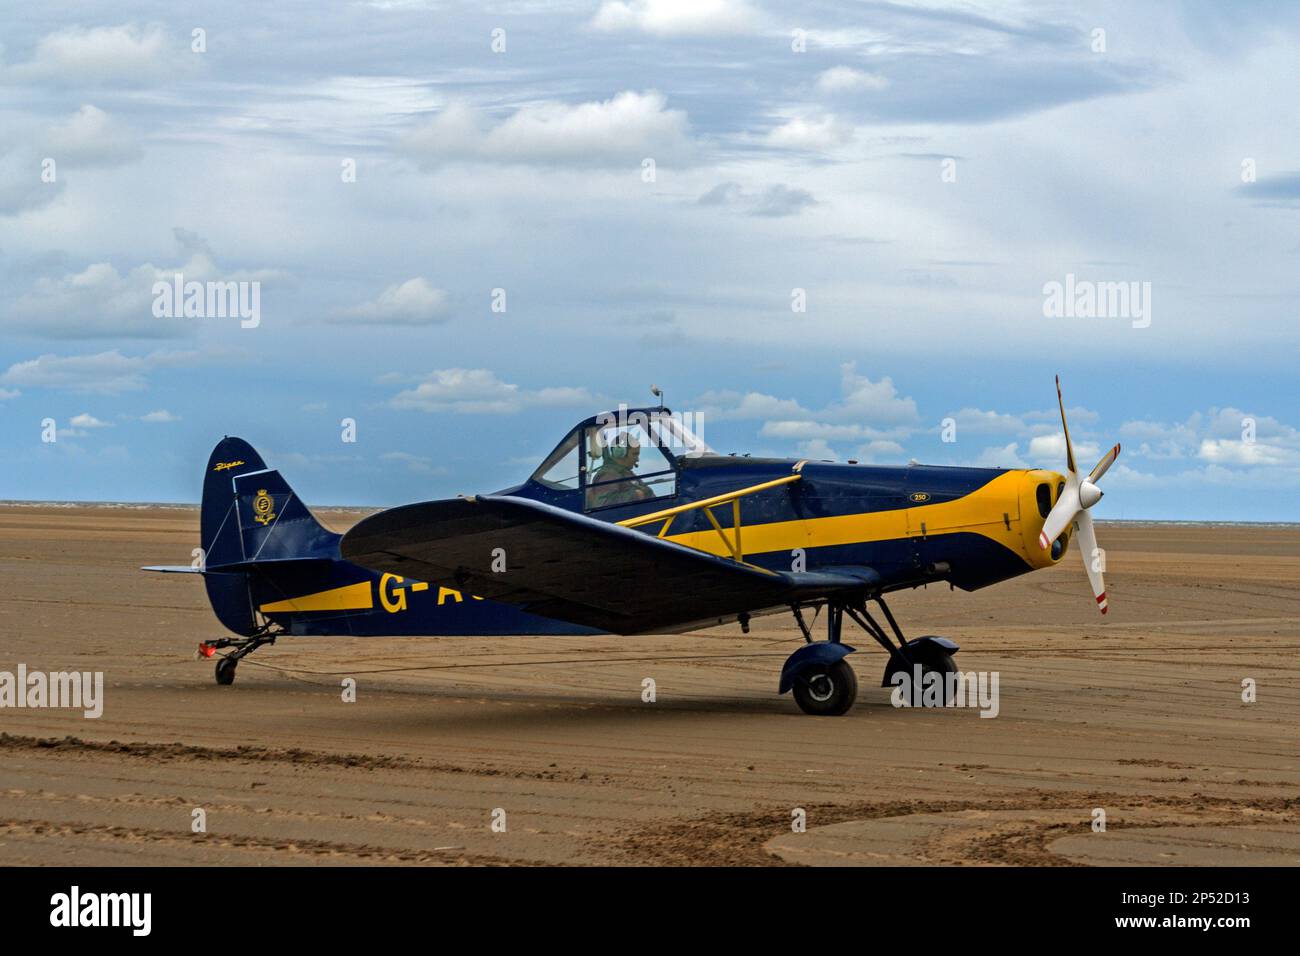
{"points": [[1039, 489]]}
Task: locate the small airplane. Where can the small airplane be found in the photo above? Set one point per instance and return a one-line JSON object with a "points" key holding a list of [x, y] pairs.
{"points": [[633, 525]]}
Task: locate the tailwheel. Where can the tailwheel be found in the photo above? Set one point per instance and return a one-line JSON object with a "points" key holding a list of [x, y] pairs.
{"points": [[826, 690], [242, 648], [226, 670]]}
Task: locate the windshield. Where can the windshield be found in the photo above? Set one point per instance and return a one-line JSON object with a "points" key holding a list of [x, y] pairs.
{"points": [[658, 438], [672, 431], [560, 469]]}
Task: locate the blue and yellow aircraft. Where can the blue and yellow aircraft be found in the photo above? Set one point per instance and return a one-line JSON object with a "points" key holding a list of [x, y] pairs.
{"points": [[633, 525]]}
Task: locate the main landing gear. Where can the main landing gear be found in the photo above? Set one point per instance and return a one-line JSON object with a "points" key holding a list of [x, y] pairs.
{"points": [[242, 648], [824, 684]]}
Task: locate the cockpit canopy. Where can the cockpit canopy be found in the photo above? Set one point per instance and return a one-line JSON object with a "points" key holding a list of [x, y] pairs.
{"points": [[622, 457]]}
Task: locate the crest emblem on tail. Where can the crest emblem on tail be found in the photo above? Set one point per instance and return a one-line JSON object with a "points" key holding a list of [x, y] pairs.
{"points": [[263, 508]]}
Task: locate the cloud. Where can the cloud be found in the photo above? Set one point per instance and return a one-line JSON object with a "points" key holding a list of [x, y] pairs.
{"points": [[964, 77], [1049, 451], [874, 402], [1284, 187], [750, 405], [1121, 476], [1233, 422], [723, 194], [1076, 415], [90, 137], [774, 201], [880, 451], [1228, 451], [76, 56], [677, 17], [1139, 430], [100, 302], [97, 302], [7, 393], [19, 192], [865, 409], [871, 453], [621, 130], [479, 391], [159, 417], [21, 184], [413, 302], [818, 450], [105, 372], [87, 420], [417, 464], [1007, 456], [816, 133], [781, 200], [977, 420], [810, 431], [840, 80], [1222, 436], [1157, 441], [868, 412]]}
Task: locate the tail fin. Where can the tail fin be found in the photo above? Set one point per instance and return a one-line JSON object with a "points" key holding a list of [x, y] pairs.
{"points": [[250, 517], [218, 524]]}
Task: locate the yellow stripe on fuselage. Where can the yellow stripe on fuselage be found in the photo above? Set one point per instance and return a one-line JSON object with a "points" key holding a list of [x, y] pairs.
{"points": [[350, 597], [993, 511], [980, 512]]}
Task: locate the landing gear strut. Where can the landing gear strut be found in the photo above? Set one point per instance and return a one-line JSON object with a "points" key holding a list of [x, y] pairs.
{"points": [[929, 654], [242, 648], [823, 682]]}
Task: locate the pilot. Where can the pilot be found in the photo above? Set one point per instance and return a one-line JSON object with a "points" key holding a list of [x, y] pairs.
{"points": [[618, 466]]}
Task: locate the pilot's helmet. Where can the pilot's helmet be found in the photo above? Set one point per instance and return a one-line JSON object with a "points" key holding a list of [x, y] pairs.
{"points": [[621, 446]]}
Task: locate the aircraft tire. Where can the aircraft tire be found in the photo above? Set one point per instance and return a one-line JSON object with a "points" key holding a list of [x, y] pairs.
{"points": [[934, 663], [226, 670], [826, 690], [943, 664]]}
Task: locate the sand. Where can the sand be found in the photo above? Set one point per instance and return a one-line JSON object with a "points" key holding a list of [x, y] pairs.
{"points": [[1139, 714]]}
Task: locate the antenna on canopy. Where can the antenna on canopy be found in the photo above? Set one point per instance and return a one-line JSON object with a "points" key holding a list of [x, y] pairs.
{"points": [[658, 393]]}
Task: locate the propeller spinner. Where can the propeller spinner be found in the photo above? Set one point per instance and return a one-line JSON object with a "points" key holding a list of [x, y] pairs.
{"points": [[1078, 495]]}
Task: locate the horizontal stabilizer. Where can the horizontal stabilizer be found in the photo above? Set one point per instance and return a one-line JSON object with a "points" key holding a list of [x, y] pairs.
{"points": [[270, 564]]}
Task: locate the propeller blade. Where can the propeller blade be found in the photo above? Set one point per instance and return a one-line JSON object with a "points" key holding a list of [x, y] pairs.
{"points": [[1107, 460], [1062, 513], [1092, 558], [1078, 495], [1069, 449]]}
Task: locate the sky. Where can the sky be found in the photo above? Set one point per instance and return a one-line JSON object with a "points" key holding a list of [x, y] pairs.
{"points": [[827, 230]]}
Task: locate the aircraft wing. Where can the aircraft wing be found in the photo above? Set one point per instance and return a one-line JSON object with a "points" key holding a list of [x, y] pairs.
{"points": [[567, 566]]}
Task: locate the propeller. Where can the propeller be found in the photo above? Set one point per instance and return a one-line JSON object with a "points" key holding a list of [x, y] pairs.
{"points": [[1078, 495]]}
